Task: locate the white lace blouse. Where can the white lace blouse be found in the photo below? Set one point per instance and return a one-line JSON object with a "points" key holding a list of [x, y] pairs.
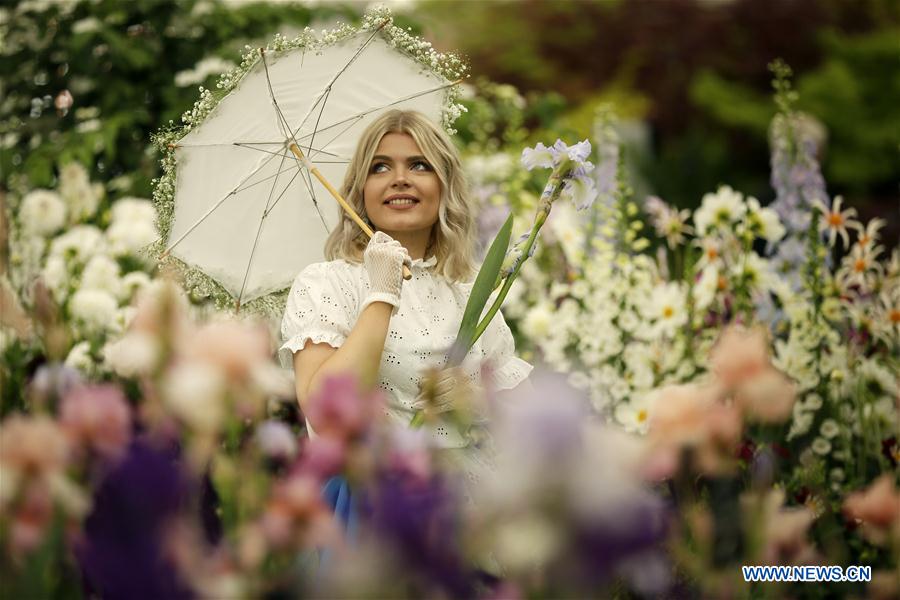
{"points": [[323, 306]]}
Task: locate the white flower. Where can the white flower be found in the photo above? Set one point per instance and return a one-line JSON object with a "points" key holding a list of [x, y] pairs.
{"points": [[56, 275], [82, 197], [764, 222], [102, 273], [813, 402], [80, 243], [211, 65], [80, 357], [130, 238], [634, 416], [666, 308], [95, 308], [829, 428], [43, 212], [756, 270], [85, 25], [135, 354], [194, 392], [130, 210], [539, 156], [706, 288], [821, 446], [537, 321], [721, 209], [133, 283]]}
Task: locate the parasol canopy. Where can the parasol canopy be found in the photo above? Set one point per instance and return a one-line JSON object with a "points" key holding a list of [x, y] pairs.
{"points": [[247, 212]]}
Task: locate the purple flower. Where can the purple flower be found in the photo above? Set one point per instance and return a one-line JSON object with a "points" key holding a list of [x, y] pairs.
{"points": [[122, 552], [420, 520], [577, 184]]}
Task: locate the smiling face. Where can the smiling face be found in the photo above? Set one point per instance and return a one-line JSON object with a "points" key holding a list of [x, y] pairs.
{"points": [[402, 193]]}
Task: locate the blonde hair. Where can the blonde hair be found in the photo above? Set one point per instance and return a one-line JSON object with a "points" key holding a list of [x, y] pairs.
{"points": [[453, 236]]}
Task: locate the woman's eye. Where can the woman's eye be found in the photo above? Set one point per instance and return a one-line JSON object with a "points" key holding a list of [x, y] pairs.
{"points": [[378, 168], [421, 165]]}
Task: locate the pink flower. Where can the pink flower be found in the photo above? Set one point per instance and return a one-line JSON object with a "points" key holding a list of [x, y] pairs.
{"points": [[878, 507], [767, 397], [31, 519], [32, 445], [784, 529], [690, 416], [276, 440], [739, 354], [339, 408], [234, 346], [323, 456], [97, 418]]}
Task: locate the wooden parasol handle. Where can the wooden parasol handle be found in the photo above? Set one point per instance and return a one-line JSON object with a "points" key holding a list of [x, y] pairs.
{"points": [[337, 196]]}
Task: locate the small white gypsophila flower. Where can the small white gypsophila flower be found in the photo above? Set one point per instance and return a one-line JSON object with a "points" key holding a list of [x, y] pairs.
{"points": [[95, 308], [43, 212]]}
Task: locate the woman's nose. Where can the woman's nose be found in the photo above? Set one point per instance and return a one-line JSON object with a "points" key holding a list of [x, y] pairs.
{"points": [[400, 177]]}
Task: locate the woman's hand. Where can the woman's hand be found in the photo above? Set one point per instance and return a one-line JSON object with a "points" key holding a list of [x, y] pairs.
{"points": [[445, 390], [384, 258]]}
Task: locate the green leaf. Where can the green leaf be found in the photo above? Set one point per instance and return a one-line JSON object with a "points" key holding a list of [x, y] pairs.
{"points": [[481, 291]]}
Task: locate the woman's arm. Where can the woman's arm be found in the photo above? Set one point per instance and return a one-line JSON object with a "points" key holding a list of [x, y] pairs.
{"points": [[359, 355]]}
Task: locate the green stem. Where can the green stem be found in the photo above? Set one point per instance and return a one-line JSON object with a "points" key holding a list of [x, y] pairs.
{"points": [[539, 221]]}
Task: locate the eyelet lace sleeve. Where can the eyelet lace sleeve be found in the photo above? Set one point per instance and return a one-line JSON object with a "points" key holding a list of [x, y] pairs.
{"points": [[319, 309], [500, 349]]}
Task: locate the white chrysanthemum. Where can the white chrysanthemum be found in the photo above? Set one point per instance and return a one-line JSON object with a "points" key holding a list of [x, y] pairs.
{"points": [[43, 212], [194, 392], [718, 210], [80, 195], [80, 358], [102, 273], [56, 275], [133, 210], [95, 308], [79, 243], [132, 284], [538, 321], [130, 238], [666, 307], [135, 354]]}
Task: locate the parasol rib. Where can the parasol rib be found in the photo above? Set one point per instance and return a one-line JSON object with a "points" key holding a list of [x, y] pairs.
{"points": [[286, 128]]}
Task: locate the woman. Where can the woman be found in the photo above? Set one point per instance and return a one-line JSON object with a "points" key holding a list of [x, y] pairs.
{"points": [[355, 314]]}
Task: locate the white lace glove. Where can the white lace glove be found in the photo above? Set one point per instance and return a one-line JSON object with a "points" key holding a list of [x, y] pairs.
{"points": [[384, 259]]}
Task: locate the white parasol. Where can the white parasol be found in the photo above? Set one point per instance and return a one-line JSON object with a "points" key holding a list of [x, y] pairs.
{"points": [[251, 205]]}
